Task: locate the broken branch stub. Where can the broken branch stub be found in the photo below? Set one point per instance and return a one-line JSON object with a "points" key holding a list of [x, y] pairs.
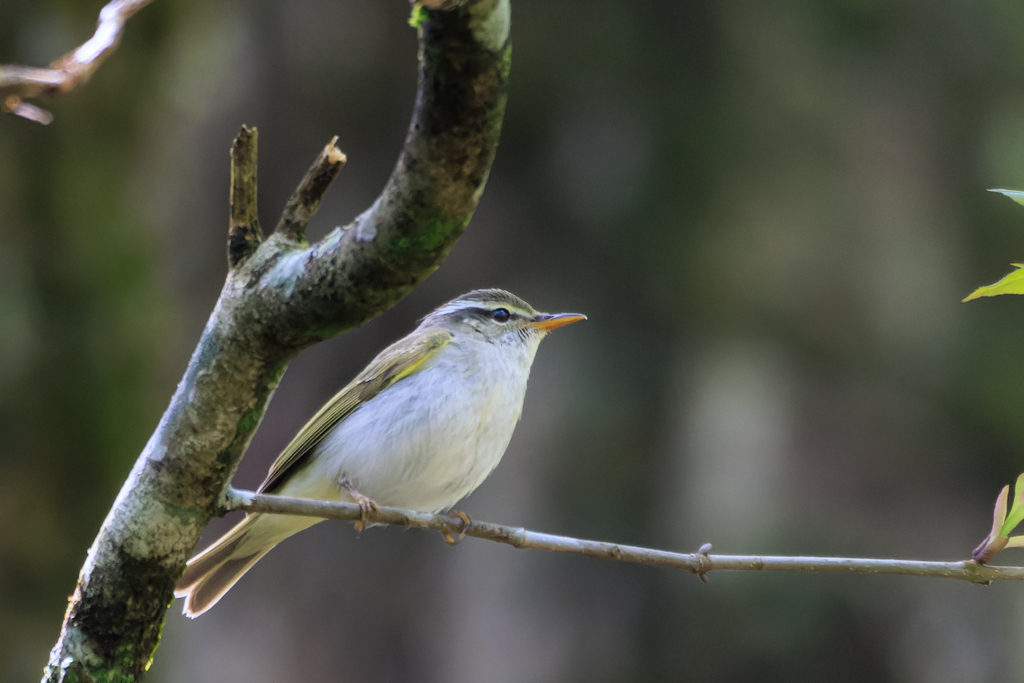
{"points": [[244, 233], [305, 201]]}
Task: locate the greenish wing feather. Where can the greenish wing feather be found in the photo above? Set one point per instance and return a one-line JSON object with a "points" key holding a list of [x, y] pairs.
{"points": [[399, 360]]}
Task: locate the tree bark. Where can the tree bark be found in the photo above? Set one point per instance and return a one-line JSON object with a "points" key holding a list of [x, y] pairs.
{"points": [[282, 295]]}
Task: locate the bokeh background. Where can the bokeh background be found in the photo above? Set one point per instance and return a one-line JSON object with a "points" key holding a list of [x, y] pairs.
{"points": [[770, 212]]}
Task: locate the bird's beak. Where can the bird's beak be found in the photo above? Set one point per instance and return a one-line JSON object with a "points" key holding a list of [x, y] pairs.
{"points": [[545, 322]]}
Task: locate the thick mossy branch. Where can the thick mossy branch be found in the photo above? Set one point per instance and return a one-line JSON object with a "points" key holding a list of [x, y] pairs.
{"points": [[305, 201], [244, 233], [279, 297]]}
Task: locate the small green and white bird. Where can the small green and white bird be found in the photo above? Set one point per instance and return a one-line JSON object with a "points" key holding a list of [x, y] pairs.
{"points": [[420, 428]]}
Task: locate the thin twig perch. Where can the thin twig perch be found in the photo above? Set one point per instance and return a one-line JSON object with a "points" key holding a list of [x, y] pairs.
{"points": [[700, 562], [19, 82]]}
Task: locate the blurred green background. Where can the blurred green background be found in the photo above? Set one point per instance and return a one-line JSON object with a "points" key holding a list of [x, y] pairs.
{"points": [[770, 212]]}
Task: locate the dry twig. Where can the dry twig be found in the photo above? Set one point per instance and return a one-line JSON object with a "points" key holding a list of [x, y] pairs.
{"points": [[20, 82]]}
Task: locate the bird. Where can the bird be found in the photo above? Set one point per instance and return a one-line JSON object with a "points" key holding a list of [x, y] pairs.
{"points": [[420, 428]]}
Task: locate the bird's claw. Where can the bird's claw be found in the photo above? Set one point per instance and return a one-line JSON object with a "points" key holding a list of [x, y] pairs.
{"points": [[466, 522], [366, 506]]}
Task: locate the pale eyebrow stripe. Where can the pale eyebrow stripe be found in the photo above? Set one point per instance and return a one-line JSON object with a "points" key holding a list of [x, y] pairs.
{"points": [[488, 306]]}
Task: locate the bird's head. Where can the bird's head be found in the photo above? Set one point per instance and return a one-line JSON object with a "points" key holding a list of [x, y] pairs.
{"points": [[498, 317]]}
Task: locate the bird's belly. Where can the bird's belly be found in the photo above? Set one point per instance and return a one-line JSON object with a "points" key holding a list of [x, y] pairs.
{"points": [[403, 450]]}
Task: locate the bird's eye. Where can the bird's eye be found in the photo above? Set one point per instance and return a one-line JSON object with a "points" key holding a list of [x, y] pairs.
{"points": [[501, 315]]}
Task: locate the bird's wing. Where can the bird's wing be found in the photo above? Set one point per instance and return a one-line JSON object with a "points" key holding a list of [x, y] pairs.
{"points": [[399, 360]]}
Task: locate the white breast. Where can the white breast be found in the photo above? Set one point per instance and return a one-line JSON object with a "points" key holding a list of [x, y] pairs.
{"points": [[431, 438]]}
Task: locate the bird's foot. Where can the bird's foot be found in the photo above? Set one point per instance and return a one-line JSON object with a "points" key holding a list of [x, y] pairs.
{"points": [[465, 522], [366, 505]]}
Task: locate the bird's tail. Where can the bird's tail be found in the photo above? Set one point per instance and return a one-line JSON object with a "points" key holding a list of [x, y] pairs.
{"points": [[210, 574]]}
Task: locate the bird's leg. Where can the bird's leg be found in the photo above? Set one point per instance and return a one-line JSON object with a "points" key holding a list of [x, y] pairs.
{"points": [[365, 505], [466, 522]]}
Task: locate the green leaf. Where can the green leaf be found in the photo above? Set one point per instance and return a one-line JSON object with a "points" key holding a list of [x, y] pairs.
{"points": [[1015, 542], [419, 15], [1014, 282], [1011, 284], [1015, 195], [1016, 515]]}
